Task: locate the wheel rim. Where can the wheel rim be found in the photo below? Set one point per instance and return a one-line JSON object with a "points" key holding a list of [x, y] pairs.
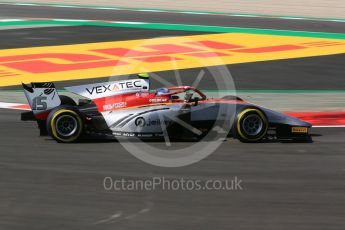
{"points": [[252, 125], [66, 125]]}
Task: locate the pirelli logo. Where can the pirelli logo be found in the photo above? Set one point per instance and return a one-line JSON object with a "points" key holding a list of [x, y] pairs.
{"points": [[299, 130], [70, 62]]}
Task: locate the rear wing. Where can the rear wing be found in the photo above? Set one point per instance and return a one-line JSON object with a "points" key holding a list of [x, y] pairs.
{"points": [[42, 98]]}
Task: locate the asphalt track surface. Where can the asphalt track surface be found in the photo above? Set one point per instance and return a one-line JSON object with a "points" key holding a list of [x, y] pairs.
{"points": [[45, 185]]}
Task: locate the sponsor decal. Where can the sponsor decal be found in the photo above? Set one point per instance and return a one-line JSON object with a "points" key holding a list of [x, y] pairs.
{"points": [[158, 100], [142, 94], [115, 87], [106, 89], [158, 122], [124, 134], [118, 105], [299, 130], [141, 122], [140, 135]]}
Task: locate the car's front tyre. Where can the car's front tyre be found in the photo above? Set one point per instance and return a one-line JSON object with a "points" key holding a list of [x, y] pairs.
{"points": [[65, 124], [251, 125]]}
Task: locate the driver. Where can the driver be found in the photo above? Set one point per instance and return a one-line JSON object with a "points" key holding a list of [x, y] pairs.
{"points": [[162, 91], [188, 97]]}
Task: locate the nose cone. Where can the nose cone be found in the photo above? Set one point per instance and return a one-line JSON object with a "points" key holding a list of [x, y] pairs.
{"points": [[295, 121], [300, 122], [279, 118]]}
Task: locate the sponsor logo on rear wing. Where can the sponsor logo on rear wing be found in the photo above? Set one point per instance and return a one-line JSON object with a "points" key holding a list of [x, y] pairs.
{"points": [[106, 89]]}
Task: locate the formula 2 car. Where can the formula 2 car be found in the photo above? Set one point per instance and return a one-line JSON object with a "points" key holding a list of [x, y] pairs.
{"points": [[128, 108]]}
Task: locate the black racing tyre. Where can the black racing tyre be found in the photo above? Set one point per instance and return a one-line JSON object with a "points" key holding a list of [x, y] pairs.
{"points": [[251, 125], [65, 124], [65, 100]]}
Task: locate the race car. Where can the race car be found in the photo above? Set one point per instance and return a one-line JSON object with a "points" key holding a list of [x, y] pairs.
{"points": [[129, 108]]}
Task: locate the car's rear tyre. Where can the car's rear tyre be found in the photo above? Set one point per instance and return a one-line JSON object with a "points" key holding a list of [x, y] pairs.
{"points": [[251, 125], [65, 124]]}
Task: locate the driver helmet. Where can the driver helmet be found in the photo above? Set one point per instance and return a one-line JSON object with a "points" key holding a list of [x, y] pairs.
{"points": [[161, 91]]}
